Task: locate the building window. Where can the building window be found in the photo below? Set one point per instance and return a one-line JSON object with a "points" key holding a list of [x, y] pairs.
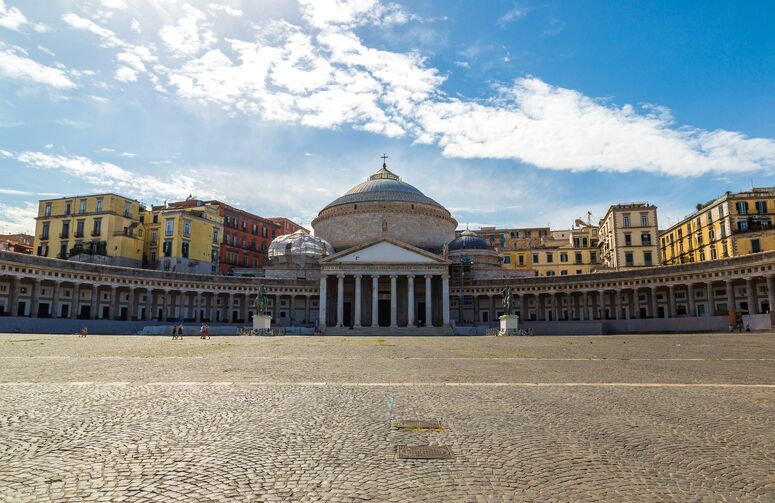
{"points": [[535, 258], [215, 236], [44, 234], [742, 207], [626, 219], [521, 260], [506, 259], [628, 240], [156, 218], [711, 235], [628, 259], [713, 255], [68, 207], [563, 257], [97, 229], [549, 258], [724, 249], [579, 258], [647, 258], [263, 231], [82, 206], [79, 225], [550, 273], [593, 257], [255, 229], [65, 230], [645, 238], [702, 255], [761, 207], [168, 230], [755, 246], [63, 249], [186, 228], [47, 210], [167, 248], [742, 225], [644, 219], [184, 249], [154, 236], [563, 272], [153, 256], [99, 205]]}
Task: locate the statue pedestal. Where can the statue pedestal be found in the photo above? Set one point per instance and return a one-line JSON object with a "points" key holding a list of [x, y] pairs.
{"points": [[261, 323], [509, 324]]}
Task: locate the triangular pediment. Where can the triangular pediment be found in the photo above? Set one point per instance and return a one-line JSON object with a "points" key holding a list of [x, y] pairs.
{"points": [[384, 251]]}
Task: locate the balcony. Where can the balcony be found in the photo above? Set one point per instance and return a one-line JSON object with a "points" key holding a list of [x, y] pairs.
{"points": [[64, 235], [78, 234], [754, 227], [96, 232], [44, 236]]}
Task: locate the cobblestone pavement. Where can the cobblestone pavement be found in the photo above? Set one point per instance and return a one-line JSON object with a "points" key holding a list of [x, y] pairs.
{"points": [[295, 419]]}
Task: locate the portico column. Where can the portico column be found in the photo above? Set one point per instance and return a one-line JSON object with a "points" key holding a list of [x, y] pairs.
{"points": [[307, 302], [55, 301], [357, 321], [731, 305], [94, 298], [166, 301], [583, 313], [522, 307], [491, 308], [340, 300], [230, 308], [618, 294], [771, 291], [410, 301], [181, 299], [751, 294], [556, 306], [711, 299], [671, 301], [13, 296], [393, 302], [213, 302], [113, 302], [428, 308], [245, 309], [654, 305], [690, 296], [198, 313], [35, 298], [374, 300], [74, 301], [541, 315], [601, 305], [445, 299], [130, 305], [149, 306]]}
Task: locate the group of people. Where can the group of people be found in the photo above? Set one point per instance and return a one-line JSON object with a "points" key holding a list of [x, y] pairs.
{"points": [[177, 331]]}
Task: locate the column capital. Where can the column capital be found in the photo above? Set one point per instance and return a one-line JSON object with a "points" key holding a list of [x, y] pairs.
{"points": [[410, 276], [358, 276], [429, 276], [393, 276], [340, 275]]}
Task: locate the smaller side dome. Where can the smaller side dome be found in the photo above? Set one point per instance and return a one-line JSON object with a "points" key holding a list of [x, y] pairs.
{"points": [[468, 241], [298, 246]]}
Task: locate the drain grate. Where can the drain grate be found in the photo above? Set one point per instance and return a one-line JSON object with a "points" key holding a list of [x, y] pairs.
{"points": [[423, 452], [418, 424]]}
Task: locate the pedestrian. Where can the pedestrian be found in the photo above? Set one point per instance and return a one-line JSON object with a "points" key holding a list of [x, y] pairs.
{"points": [[748, 327], [202, 331], [731, 328], [180, 332], [84, 332], [207, 331], [174, 332], [740, 327]]}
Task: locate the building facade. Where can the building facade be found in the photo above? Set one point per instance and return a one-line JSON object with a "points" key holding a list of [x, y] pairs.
{"points": [[19, 243], [734, 224], [246, 238], [100, 228], [628, 237], [286, 225], [184, 238]]}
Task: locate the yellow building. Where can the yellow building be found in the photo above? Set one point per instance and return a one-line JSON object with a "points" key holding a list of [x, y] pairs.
{"points": [[628, 237], [102, 228], [183, 237], [734, 224]]}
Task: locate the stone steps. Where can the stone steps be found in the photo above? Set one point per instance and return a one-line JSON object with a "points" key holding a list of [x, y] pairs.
{"points": [[420, 331]]}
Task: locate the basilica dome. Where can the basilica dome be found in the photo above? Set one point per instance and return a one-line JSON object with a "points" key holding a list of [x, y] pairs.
{"points": [[384, 206]]}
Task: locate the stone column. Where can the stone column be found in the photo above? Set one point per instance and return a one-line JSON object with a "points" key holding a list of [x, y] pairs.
{"points": [[213, 303], [541, 315], [671, 301], [690, 297], [583, 312], [113, 302], [375, 300], [198, 313], [276, 308], [445, 299], [410, 300], [555, 306], [771, 292], [230, 308], [130, 304], [149, 305], [75, 301], [393, 302], [307, 302], [13, 296], [711, 299], [618, 294], [654, 303], [166, 300], [601, 305], [428, 307], [181, 305], [491, 308], [731, 305], [357, 321], [35, 298], [94, 306], [55, 301], [245, 310], [340, 300], [750, 291], [522, 307]]}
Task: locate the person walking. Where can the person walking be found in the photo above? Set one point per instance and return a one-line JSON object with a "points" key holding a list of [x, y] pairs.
{"points": [[202, 331], [84, 332], [207, 331], [180, 332], [174, 332]]}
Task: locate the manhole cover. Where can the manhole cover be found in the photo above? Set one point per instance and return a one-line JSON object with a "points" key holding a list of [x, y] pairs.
{"points": [[418, 424], [423, 452]]}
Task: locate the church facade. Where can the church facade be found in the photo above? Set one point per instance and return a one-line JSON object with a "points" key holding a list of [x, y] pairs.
{"points": [[384, 259]]}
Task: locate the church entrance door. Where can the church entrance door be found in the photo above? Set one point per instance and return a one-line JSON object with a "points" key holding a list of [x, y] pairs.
{"points": [[384, 313], [348, 319]]}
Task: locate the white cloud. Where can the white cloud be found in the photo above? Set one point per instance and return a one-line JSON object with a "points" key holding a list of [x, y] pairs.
{"points": [[109, 176], [126, 74], [22, 68], [14, 192], [114, 4], [230, 11], [351, 13], [190, 36], [135, 25], [11, 17], [17, 219], [108, 38], [514, 14]]}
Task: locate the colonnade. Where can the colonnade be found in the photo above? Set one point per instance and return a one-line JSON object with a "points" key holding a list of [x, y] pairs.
{"points": [[408, 300]]}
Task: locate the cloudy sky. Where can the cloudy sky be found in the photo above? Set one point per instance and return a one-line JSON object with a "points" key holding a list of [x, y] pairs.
{"points": [[509, 113]]}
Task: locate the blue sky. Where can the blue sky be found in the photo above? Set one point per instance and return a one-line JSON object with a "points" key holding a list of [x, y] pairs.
{"points": [[509, 113]]}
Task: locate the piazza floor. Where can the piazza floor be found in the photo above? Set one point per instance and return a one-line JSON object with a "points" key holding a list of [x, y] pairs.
{"points": [[630, 418]]}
